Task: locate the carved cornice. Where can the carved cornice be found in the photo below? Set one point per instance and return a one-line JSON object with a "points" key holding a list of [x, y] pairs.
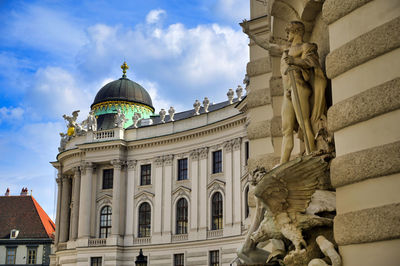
{"points": [[117, 164], [168, 159], [131, 164], [157, 141]]}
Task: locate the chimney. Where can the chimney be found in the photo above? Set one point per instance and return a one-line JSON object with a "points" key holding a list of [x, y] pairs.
{"points": [[24, 192]]}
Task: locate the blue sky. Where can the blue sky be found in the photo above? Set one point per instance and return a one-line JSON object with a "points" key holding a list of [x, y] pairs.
{"points": [[56, 55]]}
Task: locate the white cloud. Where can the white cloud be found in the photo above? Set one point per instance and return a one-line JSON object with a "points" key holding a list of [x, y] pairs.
{"points": [[155, 15], [233, 10], [11, 114]]}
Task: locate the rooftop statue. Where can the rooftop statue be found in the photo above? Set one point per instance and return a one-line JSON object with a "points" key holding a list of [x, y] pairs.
{"points": [[304, 83], [90, 122], [230, 95], [74, 128], [136, 117], [120, 119], [206, 104], [196, 107], [162, 114], [171, 113]]}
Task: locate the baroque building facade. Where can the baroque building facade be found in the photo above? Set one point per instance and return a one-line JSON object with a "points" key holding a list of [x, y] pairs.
{"points": [[172, 185]]}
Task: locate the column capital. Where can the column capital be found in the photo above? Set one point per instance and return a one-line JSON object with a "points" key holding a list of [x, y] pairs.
{"points": [[168, 159], [58, 180], [76, 171], [86, 166], [228, 145], [236, 143], [117, 163], [131, 164], [203, 153], [194, 155], [159, 161]]}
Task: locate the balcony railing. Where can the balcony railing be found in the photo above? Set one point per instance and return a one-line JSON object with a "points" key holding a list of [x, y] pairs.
{"points": [[215, 233], [180, 237], [142, 240], [97, 242], [108, 134]]}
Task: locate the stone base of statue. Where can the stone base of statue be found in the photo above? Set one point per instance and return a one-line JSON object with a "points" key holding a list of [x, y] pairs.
{"points": [[298, 210]]}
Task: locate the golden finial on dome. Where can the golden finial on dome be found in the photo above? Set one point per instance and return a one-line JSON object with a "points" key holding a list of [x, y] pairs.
{"points": [[124, 67]]}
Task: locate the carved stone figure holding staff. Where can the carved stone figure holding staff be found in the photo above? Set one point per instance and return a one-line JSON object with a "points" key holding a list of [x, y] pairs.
{"points": [[302, 76]]}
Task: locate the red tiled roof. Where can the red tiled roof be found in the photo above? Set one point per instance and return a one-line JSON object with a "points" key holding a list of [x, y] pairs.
{"points": [[24, 214]]}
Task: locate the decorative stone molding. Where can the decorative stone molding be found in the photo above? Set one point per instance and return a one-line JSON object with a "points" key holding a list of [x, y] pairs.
{"points": [[203, 153], [234, 122], [333, 10], [216, 185], [228, 146], [366, 105], [370, 45], [361, 165], [258, 67], [144, 196], [194, 155], [117, 164], [258, 97], [158, 161], [131, 164], [236, 143], [168, 159], [181, 191], [276, 86], [368, 225]]}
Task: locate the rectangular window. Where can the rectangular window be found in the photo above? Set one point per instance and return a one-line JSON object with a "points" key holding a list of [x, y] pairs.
{"points": [[214, 258], [179, 260], [95, 261], [182, 169], [31, 258], [10, 255], [108, 178], [247, 152], [145, 174], [217, 161]]}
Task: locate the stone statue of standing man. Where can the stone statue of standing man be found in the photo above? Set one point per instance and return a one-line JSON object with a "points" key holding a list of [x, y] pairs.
{"points": [[305, 113]]}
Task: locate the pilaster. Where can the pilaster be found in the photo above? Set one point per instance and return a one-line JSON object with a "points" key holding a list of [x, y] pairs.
{"points": [[116, 201], [85, 202], [65, 207], [194, 175], [158, 205], [227, 166], [75, 203], [130, 191], [58, 215], [203, 200], [237, 198], [167, 202]]}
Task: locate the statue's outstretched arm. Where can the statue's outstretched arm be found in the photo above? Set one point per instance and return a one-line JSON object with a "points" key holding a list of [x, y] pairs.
{"points": [[263, 43]]}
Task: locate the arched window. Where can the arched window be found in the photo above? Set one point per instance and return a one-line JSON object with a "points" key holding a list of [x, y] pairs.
{"points": [[246, 203], [105, 221], [181, 216], [216, 211], [144, 220]]}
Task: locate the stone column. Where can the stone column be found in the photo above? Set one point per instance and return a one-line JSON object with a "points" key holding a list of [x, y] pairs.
{"points": [[85, 203], [58, 215], [158, 205], [203, 197], [227, 164], [65, 208], [363, 65], [167, 202], [237, 198], [194, 175], [130, 191], [116, 201], [75, 204]]}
